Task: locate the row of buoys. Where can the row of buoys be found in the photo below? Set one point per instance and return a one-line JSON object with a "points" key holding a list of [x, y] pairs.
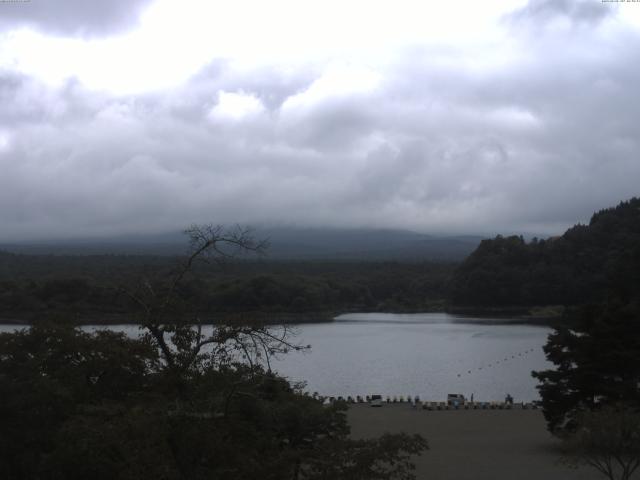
{"points": [[506, 359]]}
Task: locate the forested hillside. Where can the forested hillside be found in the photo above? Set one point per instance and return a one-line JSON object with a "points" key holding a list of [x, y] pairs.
{"points": [[89, 288], [581, 266]]}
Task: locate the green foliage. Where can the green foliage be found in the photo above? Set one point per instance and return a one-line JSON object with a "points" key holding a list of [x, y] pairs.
{"points": [[592, 398], [36, 287], [47, 374], [78, 405], [581, 266], [596, 356]]}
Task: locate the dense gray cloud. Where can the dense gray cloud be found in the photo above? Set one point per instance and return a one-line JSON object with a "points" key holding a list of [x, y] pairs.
{"points": [[541, 12], [429, 143], [72, 17]]}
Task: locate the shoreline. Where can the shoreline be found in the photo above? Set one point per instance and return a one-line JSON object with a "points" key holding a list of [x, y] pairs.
{"points": [[534, 314], [107, 319], [486, 316]]}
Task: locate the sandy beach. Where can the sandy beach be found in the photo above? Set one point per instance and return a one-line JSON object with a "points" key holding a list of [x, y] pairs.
{"points": [[473, 444]]}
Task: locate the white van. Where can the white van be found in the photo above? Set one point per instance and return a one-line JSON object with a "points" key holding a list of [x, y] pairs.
{"points": [[376, 400]]}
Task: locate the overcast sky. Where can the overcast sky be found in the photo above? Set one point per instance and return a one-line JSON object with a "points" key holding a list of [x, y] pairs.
{"points": [[141, 116]]}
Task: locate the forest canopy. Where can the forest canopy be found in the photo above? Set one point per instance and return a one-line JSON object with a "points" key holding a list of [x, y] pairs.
{"points": [[581, 266]]}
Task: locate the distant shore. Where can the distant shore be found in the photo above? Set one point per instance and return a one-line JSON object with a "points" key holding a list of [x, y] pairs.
{"points": [[275, 318], [472, 444], [532, 315], [542, 314]]}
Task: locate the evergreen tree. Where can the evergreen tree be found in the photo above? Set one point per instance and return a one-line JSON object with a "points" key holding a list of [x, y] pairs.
{"points": [[597, 357]]}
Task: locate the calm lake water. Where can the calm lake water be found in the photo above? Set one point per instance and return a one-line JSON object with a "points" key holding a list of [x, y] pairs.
{"points": [[429, 355]]}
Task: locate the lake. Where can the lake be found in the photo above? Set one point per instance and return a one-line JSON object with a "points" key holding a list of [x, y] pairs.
{"points": [[429, 354]]}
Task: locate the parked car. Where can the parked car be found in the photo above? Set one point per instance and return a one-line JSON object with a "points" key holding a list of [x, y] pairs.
{"points": [[455, 399]]}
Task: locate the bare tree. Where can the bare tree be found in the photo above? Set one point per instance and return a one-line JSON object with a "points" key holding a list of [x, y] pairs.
{"points": [[179, 335], [608, 440]]}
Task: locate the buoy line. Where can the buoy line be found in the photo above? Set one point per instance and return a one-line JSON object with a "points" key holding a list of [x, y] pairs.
{"points": [[497, 362]]}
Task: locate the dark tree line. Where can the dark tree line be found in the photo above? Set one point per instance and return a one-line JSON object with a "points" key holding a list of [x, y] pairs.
{"points": [[583, 265], [90, 289]]}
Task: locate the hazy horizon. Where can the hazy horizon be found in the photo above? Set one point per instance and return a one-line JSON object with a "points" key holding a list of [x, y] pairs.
{"points": [[258, 230]]}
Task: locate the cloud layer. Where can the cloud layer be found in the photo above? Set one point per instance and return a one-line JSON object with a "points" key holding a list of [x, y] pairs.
{"points": [[529, 130], [73, 17]]}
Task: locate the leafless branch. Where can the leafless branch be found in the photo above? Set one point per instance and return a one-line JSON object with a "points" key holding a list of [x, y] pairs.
{"points": [[187, 345]]}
